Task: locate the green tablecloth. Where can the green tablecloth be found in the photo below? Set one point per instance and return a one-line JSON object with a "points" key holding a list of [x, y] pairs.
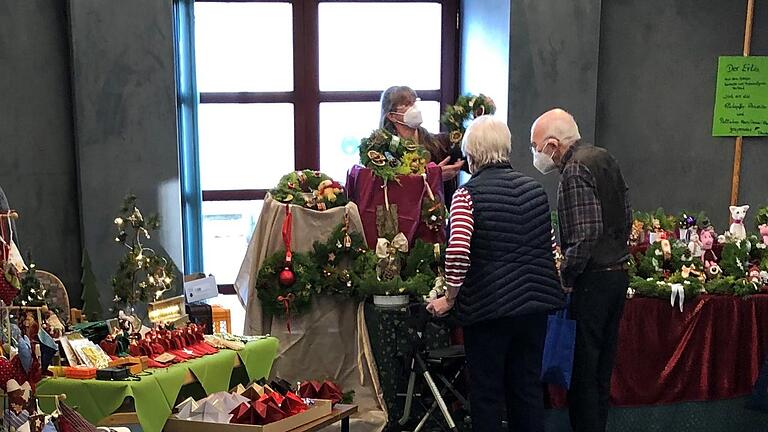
{"points": [[154, 396]]}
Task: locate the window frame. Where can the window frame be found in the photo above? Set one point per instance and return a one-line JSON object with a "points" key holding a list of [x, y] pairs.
{"points": [[307, 97]]}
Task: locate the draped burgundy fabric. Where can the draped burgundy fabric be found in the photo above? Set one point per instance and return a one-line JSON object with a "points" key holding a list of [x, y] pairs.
{"points": [[366, 191], [712, 350]]}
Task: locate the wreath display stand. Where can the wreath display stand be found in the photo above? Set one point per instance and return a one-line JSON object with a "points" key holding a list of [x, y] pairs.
{"points": [[321, 341]]}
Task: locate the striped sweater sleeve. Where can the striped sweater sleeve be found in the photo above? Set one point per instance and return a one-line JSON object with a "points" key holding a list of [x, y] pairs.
{"points": [[457, 253]]}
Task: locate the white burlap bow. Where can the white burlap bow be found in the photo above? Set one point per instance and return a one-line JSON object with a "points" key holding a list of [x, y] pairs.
{"points": [[385, 248], [13, 385], [677, 293]]}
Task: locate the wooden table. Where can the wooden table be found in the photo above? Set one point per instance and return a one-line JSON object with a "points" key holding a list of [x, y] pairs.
{"points": [[340, 412]]}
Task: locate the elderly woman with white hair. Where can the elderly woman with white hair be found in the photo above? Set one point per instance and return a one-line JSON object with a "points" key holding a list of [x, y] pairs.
{"points": [[502, 280]]}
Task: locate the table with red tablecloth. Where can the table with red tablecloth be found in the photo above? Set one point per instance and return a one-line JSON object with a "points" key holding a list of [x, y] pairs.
{"points": [[712, 350]]}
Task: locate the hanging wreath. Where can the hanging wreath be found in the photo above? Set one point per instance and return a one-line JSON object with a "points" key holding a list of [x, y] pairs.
{"points": [[335, 259], [310, 189], [278, 299], [466, 108], [389, 155]]}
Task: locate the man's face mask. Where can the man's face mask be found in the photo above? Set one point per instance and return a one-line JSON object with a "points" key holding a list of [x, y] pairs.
{"points": [[543, 162]]}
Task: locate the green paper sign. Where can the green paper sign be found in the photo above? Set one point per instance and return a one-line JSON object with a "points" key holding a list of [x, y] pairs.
{"points": [[741, 98]]}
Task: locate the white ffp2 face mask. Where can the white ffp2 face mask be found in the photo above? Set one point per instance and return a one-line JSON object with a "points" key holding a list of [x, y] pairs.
{"points": [[411, 117], [543, 162]]}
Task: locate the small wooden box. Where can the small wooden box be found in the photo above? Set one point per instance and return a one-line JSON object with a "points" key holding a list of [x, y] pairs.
{"points": [[222, 321]]}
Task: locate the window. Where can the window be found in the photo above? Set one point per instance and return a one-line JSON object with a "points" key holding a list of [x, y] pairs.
{"points": [[287, 85]]}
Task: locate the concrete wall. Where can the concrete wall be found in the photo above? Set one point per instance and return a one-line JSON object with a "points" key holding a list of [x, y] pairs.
{"points": [[125, 106], [656, 89], [639, 76], [553, 59], [37, 151]]}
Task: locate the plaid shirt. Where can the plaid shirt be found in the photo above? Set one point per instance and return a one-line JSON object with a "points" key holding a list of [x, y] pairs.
{"points": [[580, 217]]}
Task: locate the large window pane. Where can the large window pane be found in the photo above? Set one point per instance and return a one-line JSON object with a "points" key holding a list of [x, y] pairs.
{"points": [[245, 146], [343, 124], [242, 47], [370, 46], [227, 229]]}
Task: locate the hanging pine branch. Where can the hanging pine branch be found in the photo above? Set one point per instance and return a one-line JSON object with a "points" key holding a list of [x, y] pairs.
{"points": [[142, 275]]}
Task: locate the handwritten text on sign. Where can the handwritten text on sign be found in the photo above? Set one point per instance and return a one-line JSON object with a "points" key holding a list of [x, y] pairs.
{"points": [[741, 98]]}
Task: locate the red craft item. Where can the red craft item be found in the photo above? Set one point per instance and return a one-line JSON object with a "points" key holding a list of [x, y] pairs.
{"points": [[276, 397], [7, 291], [70, 420], [327, 390], [309, 389], [293, 404], [244, 414], [274, 413], [109, 346]]}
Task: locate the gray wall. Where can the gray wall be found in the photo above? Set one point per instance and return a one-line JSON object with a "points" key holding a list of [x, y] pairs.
{"points": [[553, 59], [37, 154], [639, 76], [658, 64], [124, 98]]}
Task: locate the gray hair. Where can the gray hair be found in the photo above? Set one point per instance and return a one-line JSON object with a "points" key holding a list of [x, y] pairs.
{"points": [[486, 141], [392, 98]]}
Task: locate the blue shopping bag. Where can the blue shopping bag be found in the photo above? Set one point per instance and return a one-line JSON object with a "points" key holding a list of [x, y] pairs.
{"points": [[557, 360]]}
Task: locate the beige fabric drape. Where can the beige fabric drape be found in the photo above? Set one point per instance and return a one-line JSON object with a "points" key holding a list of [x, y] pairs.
{"points": [[330, 341]]}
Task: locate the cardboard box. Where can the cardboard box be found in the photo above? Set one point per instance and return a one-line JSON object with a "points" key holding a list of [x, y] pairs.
{"points": [[322, 408]]}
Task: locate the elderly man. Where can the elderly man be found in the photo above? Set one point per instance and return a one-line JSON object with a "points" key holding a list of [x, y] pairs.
{"points": [[595, 219], [501, 275]]}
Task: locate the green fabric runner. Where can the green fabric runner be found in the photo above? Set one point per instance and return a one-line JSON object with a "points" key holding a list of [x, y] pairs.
{"points": [[155, 395]]}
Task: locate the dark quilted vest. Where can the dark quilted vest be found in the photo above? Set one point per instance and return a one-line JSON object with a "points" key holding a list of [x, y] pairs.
{"points": [[512, 270]]}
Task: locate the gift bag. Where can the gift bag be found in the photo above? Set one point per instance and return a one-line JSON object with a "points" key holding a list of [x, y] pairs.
{"points": [[557, 360]]}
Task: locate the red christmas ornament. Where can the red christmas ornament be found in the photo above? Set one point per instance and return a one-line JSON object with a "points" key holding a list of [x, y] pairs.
{"points": [[286, 277]]}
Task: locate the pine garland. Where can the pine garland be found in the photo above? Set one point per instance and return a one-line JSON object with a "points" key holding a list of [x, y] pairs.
{"points": [[734, 259]]}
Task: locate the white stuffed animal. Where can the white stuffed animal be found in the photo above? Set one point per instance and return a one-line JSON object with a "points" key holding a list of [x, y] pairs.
{"points": [[738, 213]]}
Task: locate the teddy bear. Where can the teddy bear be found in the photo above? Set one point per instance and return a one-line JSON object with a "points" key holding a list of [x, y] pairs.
{"points": [[695, 245], [764, 233], [708, 257], [738, 213]]}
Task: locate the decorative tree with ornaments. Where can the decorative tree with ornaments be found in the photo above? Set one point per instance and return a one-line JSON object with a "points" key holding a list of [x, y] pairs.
{"points": [[32, 292], [142, 275]]}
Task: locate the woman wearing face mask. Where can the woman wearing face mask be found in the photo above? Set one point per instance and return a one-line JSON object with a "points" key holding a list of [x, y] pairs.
{"points": [[401, 116]]}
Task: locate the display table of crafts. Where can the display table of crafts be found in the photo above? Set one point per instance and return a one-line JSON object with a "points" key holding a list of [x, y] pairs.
{"points": [[711, 350], [156, 394]]}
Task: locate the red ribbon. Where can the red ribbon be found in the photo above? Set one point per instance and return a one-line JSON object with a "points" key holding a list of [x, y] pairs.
{"points": [[287, 233], [286, 301]]}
